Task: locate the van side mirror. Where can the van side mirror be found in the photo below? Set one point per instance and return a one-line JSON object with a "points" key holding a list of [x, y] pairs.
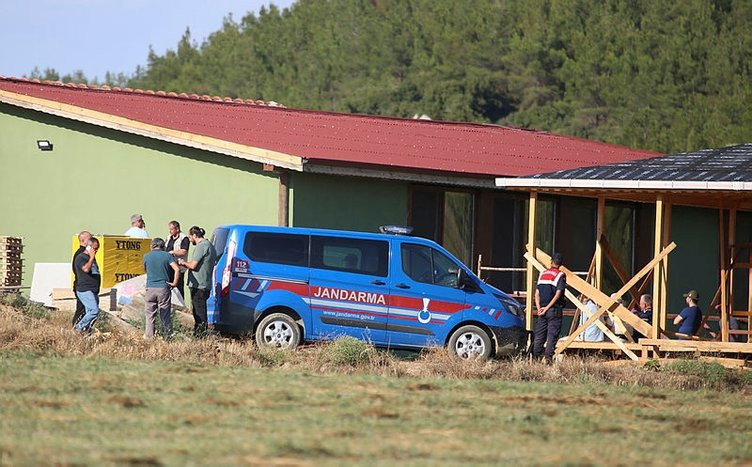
{"points": [[466, 282]]}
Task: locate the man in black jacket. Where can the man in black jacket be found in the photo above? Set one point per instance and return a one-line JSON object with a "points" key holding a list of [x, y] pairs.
{"points": [[83, 240]]}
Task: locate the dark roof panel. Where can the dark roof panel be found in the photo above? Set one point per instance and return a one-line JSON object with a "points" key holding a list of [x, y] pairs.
{"points": [[729, 164]]}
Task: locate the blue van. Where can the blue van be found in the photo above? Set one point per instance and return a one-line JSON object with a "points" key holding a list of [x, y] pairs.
{"points": [[287, 285]]}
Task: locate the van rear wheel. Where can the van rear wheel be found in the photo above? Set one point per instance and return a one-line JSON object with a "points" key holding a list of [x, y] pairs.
{"points": [[470, 343], [278, 330]]}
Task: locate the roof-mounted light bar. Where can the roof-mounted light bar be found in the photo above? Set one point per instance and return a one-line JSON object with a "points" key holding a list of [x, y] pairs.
{"points": [[396, 229]]}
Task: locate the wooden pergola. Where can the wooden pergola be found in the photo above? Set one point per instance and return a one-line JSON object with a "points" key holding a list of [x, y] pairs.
{"points": [[727, 198]]}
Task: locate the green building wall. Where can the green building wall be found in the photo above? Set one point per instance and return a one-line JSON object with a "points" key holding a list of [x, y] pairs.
{"points": [[694, 264], [95, 178], [347, 203]]}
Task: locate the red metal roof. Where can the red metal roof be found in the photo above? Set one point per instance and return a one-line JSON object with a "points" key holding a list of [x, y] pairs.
{"points": [[338, 138]]}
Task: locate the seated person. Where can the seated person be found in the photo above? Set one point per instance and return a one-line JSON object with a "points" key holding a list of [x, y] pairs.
{"points": [[689, 318], [620, 328], [733, 325], [645, 313], [592, 333]]}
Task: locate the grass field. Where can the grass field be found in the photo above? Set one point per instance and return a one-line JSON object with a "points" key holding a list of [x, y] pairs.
{"points": [[118, 399], [72, 410]]}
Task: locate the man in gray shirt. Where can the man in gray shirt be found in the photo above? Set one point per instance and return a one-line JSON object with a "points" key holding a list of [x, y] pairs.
{"points": [[200, 269], [157, 264]]}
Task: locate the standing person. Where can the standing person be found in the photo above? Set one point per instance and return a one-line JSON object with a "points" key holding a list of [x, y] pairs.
{"points": [[200, 277], [159, 265], [87, 285], [549, 303], [689, 318], [83, 241], [138, 227], [177, 245]]}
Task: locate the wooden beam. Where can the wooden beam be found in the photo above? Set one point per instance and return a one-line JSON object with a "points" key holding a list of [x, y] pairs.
{"points": [[604, 301], [576, 317], [600, 232], [616, 264], [724, 273], [749, 299], [283, 199], [582, 308], [700, 346], [658, 315], [732, 256], [663, 304], [605, 345], [530, 277]]}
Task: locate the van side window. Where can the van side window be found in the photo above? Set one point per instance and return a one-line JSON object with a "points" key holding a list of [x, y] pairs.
{"points": [[424, 264], [350, 255], [277, 248]]}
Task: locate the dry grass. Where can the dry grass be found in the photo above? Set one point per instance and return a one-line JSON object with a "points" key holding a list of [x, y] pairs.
{"points": [[25, 331]]}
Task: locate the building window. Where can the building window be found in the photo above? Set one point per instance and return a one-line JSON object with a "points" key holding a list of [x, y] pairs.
{"points": [[619, 232], [445, 217]]}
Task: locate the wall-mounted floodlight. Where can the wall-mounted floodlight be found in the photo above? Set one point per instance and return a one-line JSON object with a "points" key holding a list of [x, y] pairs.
{"points": [[44, 145]]}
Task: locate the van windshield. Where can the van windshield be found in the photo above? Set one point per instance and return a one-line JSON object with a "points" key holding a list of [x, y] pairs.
{"points": [[219, 240]]}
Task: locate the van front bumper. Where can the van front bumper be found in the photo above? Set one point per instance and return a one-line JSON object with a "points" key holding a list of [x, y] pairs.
{"points": [[510, 341]]}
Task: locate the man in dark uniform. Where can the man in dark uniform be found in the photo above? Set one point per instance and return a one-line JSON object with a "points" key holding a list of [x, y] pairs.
{"points": [[549, 303], [83, 240]]}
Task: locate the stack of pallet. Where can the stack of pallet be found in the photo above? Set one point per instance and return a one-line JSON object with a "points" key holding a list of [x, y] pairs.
{"points": [[11, 263]]}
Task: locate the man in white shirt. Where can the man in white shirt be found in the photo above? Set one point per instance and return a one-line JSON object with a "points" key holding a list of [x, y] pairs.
{"points": [[137, 229]]}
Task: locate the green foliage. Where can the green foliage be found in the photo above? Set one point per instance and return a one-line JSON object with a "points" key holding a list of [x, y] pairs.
{"points": [[271, 357], [347, 351], [667, 76], [652, 365], [711, 372], [27, 307]]}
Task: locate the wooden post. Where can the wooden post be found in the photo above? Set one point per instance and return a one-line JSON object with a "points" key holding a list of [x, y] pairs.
{"points": [[659, 321], [730, 248], [530, 278], [724, 272], [599, 232], [283, 209], [663, 304], [749, 300]]}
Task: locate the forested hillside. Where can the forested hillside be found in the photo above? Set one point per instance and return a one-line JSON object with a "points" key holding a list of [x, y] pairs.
{"points": [[664, 75]]}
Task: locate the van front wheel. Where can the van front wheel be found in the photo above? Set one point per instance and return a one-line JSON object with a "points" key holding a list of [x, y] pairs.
{"points": [[278, 330], [470, 343]]}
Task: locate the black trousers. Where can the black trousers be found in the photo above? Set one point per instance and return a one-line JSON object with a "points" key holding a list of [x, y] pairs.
{"points": [[80, 308], [198, 300], [546, 331]]}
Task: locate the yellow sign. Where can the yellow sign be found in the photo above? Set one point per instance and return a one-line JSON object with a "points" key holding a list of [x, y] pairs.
{"points": [[119, 258]]}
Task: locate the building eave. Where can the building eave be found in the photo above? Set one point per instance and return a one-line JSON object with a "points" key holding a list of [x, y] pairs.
{"points": [[403, 175], [207, 143], [595, 184]]}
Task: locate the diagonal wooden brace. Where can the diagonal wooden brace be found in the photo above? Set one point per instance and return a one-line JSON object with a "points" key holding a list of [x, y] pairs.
{"points": [[604, 301], [539, 266]]}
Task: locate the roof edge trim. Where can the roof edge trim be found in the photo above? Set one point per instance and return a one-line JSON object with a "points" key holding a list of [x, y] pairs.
{"points": [[193, 140], [533, 183], [472, 182]]}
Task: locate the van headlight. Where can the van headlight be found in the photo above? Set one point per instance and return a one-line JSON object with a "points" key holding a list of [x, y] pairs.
{"points": [[512, 305], [515, 308]]}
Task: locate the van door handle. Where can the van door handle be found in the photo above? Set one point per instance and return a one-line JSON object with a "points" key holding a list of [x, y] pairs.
{"points": [[378, 282], [402, 285]]}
